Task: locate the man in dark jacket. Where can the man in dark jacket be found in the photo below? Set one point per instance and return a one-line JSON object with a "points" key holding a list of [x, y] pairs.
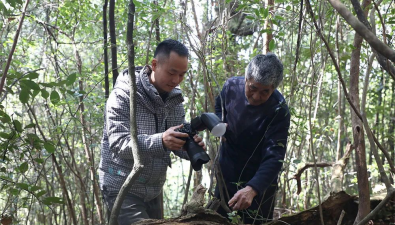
{"points": [[159, 112], [254, 144]]}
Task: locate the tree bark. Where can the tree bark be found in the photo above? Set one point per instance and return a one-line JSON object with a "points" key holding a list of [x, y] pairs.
{"points": [[358, 131], [338, 170]]}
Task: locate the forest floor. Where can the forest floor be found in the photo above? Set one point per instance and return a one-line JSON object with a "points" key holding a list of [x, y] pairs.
{"points": [[338, 206]]}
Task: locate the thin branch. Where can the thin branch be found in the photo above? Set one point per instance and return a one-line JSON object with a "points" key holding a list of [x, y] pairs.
{"points": [[15, 42], [300, 171], [362, 30], [344, 84], [311, 144], [137, 166], [299, 37]]}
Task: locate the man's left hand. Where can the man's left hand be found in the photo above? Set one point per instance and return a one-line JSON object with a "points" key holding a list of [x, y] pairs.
{"points": [[243, 198], [199, 140]]}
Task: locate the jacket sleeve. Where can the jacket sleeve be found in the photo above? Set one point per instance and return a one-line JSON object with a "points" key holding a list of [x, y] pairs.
{"points": [[118, 129], [273, 151], [218, 105]]}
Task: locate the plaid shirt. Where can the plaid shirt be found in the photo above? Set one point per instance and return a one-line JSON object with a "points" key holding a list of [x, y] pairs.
{"points": [[153, 118]]}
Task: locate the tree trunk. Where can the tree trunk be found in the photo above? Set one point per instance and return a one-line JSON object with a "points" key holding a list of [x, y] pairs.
{"points": [[113, 38], [106, 80], [357, 127]]}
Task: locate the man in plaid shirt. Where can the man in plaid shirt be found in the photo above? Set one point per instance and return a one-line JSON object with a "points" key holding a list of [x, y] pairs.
{"points": [[159, 112]]}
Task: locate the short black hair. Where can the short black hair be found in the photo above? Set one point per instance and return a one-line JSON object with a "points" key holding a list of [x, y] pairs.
{"points": [[165, 47]]}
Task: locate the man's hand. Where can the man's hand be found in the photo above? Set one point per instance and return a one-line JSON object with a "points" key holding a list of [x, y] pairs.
{"points": [[243, 198], [199, 140], [171, 139]]}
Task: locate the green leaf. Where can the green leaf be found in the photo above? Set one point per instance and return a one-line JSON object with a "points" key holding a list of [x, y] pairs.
{"points": [[23, 186], [51, 200], [6, 178], [61, 83], [49, 147], [265, 13], [272, 45], [12, 3], [44, 93], [30, 125], [137, 4], [32, 137], [23, 167], [71, 79], [51, 84], [41, 193], [32, 75], [55, 97], [18, 126], [296, 161], [24, 95], [29, 84], [39, 160], [14, 191], [4, 117], [34, 188], [4, 135], [35, 93], [280, 144], [256, 11]]}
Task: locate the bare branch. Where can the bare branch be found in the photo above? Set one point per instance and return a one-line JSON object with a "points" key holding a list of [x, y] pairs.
{"points": [[362, 30], [18, 31]]}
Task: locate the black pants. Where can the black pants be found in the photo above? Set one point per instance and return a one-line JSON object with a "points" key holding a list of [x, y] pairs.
{"points": [[261, 209], [134, 208]]}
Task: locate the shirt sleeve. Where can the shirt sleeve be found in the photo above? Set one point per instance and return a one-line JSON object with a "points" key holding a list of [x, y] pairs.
{"points": [[118, 129], [273, 151]]}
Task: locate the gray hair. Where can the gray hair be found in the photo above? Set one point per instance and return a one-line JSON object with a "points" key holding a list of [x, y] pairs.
{"points": [[265, 69]]}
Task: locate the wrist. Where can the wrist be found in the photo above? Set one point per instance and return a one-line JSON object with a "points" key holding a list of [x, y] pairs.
{"points": [[251, 190]]}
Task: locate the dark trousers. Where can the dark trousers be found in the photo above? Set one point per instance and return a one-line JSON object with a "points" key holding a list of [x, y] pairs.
{"points": [[134, 208], [260, 211]]}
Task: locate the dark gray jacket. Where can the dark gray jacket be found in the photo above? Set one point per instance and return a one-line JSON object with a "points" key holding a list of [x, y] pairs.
{"points": [[153, 118]]}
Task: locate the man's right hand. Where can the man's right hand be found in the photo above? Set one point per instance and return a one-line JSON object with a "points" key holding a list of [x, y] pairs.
{"points": [[171, 139]]}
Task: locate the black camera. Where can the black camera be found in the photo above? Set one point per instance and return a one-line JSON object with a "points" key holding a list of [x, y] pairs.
{"points": [[196, 153]]}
